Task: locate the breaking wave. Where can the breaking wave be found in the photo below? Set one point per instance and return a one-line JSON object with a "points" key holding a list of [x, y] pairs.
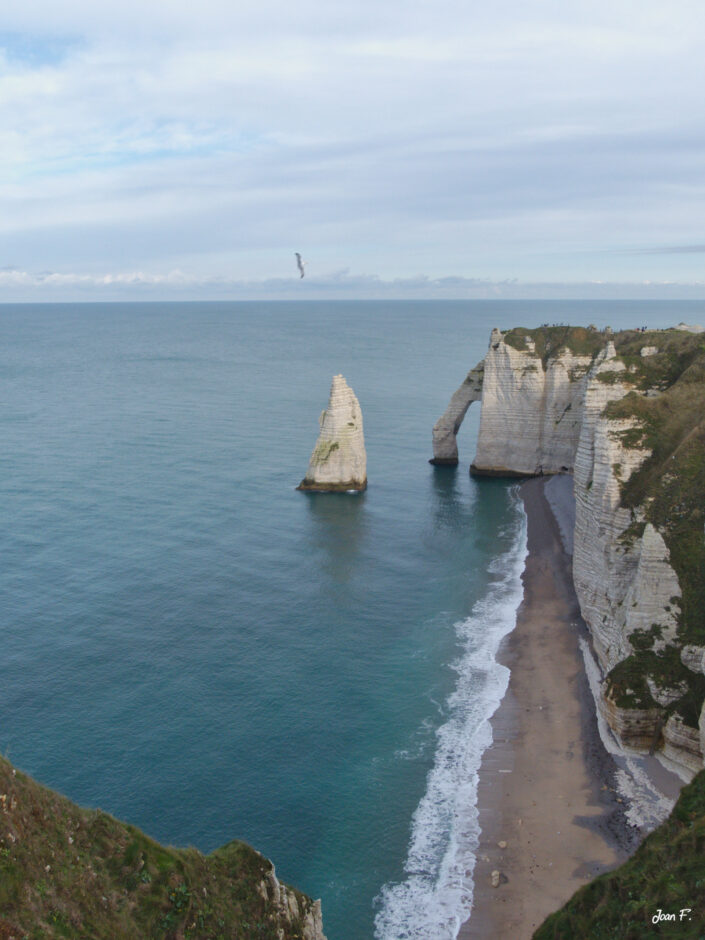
{"points": [[435, 898]]}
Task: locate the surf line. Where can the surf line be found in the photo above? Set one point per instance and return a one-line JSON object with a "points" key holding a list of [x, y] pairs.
{"points": [[435, 898]]}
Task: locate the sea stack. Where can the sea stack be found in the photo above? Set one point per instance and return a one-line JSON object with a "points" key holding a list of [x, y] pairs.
{"points": [[338, 462]]}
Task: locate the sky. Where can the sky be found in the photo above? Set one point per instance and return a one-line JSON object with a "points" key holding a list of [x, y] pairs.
{"points": [[414, 149]]}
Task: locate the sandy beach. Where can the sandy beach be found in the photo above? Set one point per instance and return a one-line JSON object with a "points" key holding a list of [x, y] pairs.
{"points": [[546, 784]]}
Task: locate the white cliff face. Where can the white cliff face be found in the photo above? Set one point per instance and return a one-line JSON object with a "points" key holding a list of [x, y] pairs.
{"points": [[530, 418], [624, 580], [682, 745], [545, 421], [603, 566], [445, 430], [623, 584], [339, 460], [654, 591]]}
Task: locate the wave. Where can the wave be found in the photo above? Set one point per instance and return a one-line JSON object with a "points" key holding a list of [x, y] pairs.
{"points": [[435, 899]]}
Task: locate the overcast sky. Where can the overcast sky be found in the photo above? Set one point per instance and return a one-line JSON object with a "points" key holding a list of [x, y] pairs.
{"points": [[445, 148]]}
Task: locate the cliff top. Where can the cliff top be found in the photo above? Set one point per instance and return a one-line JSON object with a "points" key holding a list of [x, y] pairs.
{"points": [[72, 872], [550, 341]]}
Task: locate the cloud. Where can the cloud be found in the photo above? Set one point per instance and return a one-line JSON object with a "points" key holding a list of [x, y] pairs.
{"points": [[533, 140], [23, 286], [672, 250]]}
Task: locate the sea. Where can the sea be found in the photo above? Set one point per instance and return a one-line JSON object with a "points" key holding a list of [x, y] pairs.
{"points": [[194, 646]]}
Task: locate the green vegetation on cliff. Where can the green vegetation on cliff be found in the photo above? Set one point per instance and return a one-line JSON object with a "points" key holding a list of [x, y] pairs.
{"points": [[666, 873], [550, 341], [72, 872], [667, 407]]}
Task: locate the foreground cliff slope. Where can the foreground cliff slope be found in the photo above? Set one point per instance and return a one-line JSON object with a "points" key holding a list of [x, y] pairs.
{"points": [[72, 872], [666, 873]]}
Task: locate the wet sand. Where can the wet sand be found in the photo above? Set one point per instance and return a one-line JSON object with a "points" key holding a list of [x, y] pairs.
{"points": [[546, 784]]}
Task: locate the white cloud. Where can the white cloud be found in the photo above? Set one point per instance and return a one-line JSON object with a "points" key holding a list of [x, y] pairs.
{"points": [[510, 140], [25, 286]]}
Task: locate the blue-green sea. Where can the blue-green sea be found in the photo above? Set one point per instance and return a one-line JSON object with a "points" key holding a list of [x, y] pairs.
{"points": [[196, 647]]}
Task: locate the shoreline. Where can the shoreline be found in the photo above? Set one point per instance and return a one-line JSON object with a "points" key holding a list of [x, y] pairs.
{"points": [[546, 784]]}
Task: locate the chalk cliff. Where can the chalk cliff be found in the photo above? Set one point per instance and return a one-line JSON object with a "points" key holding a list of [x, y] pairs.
{"points": [[542, 395], [624, 413], [339, 461]]}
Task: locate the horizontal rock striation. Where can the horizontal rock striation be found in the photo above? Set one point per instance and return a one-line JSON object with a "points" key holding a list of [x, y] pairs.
{"points": [[623, 412], [531, 411], [603, 566], [339, 461]]}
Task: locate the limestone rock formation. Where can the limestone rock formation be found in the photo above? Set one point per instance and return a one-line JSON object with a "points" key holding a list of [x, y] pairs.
{"points": [[445, 448], [564, 399], [285, 903], [544, 402], [338, 462], [603, 566], [518, 392]]}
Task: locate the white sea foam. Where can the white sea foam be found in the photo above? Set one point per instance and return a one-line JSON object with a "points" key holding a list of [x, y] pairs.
{"points": [[436, 897]]}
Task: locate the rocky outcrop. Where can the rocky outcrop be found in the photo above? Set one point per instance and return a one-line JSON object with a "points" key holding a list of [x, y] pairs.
{"points": [[636, 728], [445, 430], [543, 400], [518, 390], [339, 461], [292, 908], [681, 744], [693, 658], [555, 400]]}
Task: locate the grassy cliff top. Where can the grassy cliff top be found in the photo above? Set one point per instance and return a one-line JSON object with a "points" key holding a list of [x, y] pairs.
{"points": [[674, 348], [72, 872], [667, 872], [550, 341]]}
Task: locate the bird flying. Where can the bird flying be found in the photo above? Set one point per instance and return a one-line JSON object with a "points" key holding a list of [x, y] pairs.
{"points": [[300, 262]]}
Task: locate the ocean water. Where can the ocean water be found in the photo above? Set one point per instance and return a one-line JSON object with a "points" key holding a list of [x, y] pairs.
{"points": [[194, 646]]}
